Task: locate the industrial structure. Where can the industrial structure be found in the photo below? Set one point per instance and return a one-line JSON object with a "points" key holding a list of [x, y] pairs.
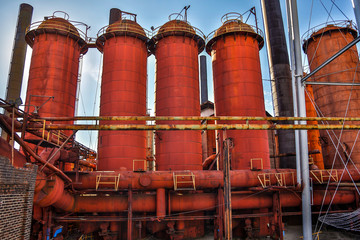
{"points": [[196, 167]]}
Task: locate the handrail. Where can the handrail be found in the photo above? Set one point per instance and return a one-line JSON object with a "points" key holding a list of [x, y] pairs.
{"points": [[336, 23], [123, 28], [239, 28], [185, 28], [61, 27]]}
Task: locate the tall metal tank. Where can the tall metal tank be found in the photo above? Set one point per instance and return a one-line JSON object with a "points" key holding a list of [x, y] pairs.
{"points": [[320, 44], [176, 47], [57, 45], [123, 92], [234, 49]]}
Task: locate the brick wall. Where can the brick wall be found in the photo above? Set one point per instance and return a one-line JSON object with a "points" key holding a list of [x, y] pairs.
{"points": [[16, 200]]}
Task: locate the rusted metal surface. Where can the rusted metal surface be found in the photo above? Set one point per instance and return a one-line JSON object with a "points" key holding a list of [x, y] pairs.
{"points": [[123, 93], [209, 179], [314, 139], [87, 164], [177, 93], [227, 190], [130, 213], [143, 202], [333, 100], [18, 139], [57, 46], [195, 118], [238, 82], [194, 127], [160, 203]]}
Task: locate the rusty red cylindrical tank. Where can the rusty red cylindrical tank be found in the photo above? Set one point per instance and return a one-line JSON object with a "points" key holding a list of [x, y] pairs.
{"points": [[176, 47], [234, 49], [123, 93], [333, 101], [313, 135], [54, 67]]}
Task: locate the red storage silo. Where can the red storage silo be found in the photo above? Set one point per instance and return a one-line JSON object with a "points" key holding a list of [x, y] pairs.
{"points": [[54, 67], [234, 49], [123, 93], [176, 47], [332, 100]]}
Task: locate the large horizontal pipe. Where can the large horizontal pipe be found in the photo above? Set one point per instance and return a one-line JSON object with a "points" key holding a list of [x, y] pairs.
{"points": [[194, 118], [143, 202], [87, 164], [203, 179], [115, 127]]}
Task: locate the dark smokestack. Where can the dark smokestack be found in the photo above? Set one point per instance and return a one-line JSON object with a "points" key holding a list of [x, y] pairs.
{"points": [[280, 75], [115, 15], [18, 54], [203, 79]]}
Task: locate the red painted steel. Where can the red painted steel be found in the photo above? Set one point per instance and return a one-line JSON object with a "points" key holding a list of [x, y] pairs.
{"points": [[313, 135], [333, 100], [123, 93], [54, 68], [203, 179], [144, 202], [177, 94], [238, 89], [160, 203]]}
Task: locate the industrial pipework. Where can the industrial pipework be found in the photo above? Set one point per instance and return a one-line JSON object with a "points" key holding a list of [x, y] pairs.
{"points": [[122, 199]]}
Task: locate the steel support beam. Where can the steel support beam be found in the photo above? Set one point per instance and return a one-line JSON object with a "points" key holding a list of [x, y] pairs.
{"points": [[198, 127], [194, 118], [227, 190], [332, 83]]}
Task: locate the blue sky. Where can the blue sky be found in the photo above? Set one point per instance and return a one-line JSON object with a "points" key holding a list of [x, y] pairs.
{"points": [[203, 14]]}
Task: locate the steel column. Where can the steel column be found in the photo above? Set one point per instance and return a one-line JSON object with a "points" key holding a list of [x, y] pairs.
{"points": [[129, 222], [292, 14], [227, 190], [280, 75]]}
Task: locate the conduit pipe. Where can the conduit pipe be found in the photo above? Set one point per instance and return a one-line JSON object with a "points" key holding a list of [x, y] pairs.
{"points": [[171, 127], [203, 179], [144, 202]]}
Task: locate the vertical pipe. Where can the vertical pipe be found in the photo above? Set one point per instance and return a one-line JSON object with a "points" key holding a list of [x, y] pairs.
{"points": [[160, 203], [296, 52], [114, 16], [280, 75], [296, 112], [129, 222], [203, 79], [227, 189], [18, 56]]}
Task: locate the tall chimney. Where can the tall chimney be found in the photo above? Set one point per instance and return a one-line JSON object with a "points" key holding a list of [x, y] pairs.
{"points": [[18, 56], [280, 76], [203, 79], [114, 16], [19, 53]]}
